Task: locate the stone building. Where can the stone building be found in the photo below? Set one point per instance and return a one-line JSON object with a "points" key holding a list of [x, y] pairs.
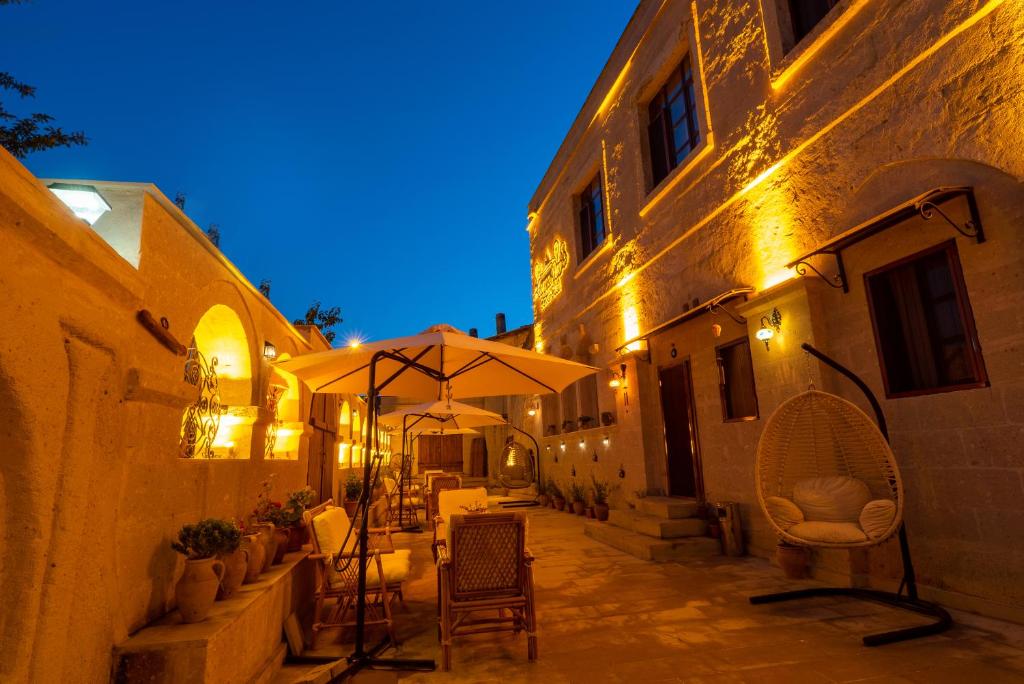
{"points": [[845, 174], [112, 334]]}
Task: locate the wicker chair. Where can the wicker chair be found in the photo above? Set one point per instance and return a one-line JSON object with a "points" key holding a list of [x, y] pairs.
{"points": [[826, 476], [408, 507], [386, 569], [452, 501], [439, 483], [486, 570]]}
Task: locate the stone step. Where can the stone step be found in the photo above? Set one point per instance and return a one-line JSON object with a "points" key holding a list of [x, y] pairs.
{"points": [[673, 507], [648, 548], [660, 528]]}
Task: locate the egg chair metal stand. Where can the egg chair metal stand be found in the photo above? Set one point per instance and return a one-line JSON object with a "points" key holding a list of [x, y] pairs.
{"points": [[906, 597]]}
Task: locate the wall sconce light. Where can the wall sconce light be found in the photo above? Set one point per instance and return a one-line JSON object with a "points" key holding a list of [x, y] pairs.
{"points": [[562, 446], [531, 412], [85, 201], [583, 443], [622, 471], [771, 324], [619, 380], [716, 330], [606, 440], [269, 351]]}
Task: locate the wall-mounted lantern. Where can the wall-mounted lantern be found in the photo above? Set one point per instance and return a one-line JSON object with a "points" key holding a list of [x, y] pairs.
{"points": [[85, 201], [619, 381], [269, 351], [771, 325]]}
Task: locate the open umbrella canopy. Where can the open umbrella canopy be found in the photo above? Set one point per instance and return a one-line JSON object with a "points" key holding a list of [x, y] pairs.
{"points": [[440, 362], [439, 415]]}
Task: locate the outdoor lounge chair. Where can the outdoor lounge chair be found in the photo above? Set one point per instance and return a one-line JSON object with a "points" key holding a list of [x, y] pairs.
{"points": [[456, 501], [486, 580], [337, 571], [408, 507], [439, 483]]}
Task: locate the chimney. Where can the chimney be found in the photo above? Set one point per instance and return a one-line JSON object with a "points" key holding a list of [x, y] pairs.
{"points": [[473, 333], [499, 324]]}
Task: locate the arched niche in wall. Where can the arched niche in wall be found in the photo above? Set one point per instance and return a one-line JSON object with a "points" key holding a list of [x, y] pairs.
{"points": [[284, 399], [219, 423]]}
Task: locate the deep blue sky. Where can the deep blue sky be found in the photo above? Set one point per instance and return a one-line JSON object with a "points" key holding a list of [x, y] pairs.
{"points": [[331, 141]]}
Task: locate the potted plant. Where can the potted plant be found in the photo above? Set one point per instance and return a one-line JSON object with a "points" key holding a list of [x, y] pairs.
{"points": [[599, 491], [200, 543], [793, 559], [557, 497], [578, 496], [551, 430], [353, 488], [585, 422], [261, 523], [298, 501], [542, 493], [257, 554], [283, 518], [568, 425], [236, 564], [607, 418]]}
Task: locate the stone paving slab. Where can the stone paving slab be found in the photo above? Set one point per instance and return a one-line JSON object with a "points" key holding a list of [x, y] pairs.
{"points": [[605, 616]]}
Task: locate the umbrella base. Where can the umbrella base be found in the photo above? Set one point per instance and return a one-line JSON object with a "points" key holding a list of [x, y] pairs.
{"points": [[371, 661]]}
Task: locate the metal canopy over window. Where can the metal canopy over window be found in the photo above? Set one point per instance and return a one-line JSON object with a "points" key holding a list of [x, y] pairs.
{"points": [[926, 205], [713, 305]]}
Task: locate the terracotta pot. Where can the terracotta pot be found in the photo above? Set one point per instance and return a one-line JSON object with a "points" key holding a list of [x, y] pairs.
{"points": [[296, 538], [281, 539], [350, 508], [578, 507], [542, 499], [257, 554], [589, 512], [714, 529], [235, 567], [793, 560], [197, 588], [601, 511], [559, 503], [266, 532]]}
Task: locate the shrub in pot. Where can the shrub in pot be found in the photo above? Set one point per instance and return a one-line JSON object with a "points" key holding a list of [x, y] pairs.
{"points": [[200, 543], [297, 503], [607, 418], [557, 497], [578, 496], [586, 422], [599, 491], [353, 488], [235, 558]]}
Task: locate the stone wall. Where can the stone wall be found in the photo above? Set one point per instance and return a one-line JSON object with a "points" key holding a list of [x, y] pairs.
{"points": [[884, 101], [94, 487]]}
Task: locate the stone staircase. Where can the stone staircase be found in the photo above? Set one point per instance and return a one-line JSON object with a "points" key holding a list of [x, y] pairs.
{"points": [[661, 528]]}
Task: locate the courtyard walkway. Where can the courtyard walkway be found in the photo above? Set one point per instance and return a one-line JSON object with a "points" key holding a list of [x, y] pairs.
{"points": [[605, 616]]}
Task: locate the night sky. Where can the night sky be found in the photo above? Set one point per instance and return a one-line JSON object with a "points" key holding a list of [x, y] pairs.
{"points": [[377, 156]]}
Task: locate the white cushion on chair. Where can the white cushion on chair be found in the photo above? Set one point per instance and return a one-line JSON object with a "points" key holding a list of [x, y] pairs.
{"points": [[396, 569], [330, 528], [784, 512], [829, 532], [877, 516], [831, 499], [460, 501]]}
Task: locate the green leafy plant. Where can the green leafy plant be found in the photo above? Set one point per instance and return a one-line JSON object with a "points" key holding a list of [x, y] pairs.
{"points": [[554, 491], [301, 498], [600, 489], [577, 492], [353, 487], [207, 538]]}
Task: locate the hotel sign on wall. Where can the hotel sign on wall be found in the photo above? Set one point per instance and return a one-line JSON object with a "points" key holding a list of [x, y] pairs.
{"points": [[547, 273]]}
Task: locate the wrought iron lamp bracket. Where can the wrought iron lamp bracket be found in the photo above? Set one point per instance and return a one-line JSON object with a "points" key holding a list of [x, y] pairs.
{"points": [[715, 308], [971, 228], [838, 281]]}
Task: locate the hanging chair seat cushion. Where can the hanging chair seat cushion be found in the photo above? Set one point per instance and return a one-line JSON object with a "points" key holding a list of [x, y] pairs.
{"points": [[828, 532], [783, 511], [831, 499], [876, 517]]}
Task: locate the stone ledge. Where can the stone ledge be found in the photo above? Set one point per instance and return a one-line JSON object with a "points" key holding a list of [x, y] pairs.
{"points": [[238, 641]]}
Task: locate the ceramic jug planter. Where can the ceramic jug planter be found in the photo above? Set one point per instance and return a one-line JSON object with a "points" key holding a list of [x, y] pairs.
{"points": [[281, 544], [236, 565], [257, 554], [296, 538], [197, 588], [542, 499], [266, 532]]}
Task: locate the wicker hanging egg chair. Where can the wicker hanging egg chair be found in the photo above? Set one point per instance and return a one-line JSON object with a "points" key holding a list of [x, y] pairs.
{"points": [[826, 476], [516, 469]]}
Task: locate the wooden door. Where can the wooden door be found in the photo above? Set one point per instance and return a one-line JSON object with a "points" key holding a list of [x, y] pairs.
{"points": [[478, 457], [320, 462], [678, 411], [440, 452]]}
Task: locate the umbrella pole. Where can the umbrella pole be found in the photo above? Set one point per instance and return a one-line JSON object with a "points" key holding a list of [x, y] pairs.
{"points": [[360, 658]]}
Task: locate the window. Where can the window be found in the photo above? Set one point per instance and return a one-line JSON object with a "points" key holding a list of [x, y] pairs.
{"points": [[799, 17], [591, 218], [672, 130], [924, 329], [736, 381]]}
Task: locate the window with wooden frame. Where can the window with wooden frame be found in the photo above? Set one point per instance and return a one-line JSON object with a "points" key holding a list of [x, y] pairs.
{"points": [[590, 219], [924, 328], [736, 381], [672, 127], [797, 18]]}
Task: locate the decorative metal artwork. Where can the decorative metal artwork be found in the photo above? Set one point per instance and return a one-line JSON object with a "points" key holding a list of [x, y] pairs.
{"points": [[274, 394], [202, 417], [548, 272]]}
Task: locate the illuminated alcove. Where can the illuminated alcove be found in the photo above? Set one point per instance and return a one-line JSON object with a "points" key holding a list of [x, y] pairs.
{"points": [[284, 433]]}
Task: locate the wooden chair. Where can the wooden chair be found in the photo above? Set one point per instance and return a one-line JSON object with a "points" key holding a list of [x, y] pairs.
{"points": [[486, 569], [386, 570], [438, 484], [452, 501], [408, 507]]}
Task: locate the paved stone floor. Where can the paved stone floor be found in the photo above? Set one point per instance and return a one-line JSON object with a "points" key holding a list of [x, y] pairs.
{"points": [[605, 616]]}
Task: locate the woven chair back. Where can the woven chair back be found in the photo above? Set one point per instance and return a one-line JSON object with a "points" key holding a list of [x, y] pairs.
{"points": [[816, 434], [440, 483], [488, 555]]}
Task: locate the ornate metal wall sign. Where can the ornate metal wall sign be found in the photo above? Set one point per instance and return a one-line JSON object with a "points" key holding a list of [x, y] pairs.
{"points": [[548, 272], [202, 418], [274, 394]]}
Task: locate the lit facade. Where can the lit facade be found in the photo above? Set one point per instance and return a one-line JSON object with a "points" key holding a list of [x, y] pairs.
{"points": [[777, 143]]}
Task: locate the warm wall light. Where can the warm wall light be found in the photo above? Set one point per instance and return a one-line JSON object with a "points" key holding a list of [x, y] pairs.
{"points": [[606, 440], [562, 446], [770, 325], [531, 412], [618, 379], [269, 351], [84, 201], [583, 444]]}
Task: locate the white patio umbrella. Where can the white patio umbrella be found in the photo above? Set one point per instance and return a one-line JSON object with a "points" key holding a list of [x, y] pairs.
{"points": [[439, 363]]}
